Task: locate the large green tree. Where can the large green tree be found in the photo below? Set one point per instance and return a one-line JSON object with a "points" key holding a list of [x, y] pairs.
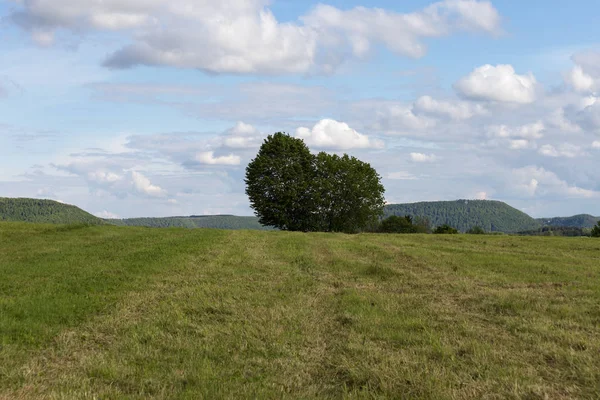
{"points": [[291, 189], [349, 193], [278, 183]]}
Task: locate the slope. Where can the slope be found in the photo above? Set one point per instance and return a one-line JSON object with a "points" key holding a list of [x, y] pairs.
{"points": [[206, 221], [492, 216], [132, 313], [576, 221], [44, 211]]}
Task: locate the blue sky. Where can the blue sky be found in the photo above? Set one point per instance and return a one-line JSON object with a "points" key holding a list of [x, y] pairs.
{"points": [[152, 108]]}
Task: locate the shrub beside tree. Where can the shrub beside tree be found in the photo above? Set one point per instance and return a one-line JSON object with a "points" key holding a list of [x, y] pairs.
{"points": [[291, 189], [445, 230], [396, 224]]}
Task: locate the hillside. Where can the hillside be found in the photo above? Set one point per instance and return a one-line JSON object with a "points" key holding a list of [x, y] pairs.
{"points": [[576, 221], [44, 211], [208, 221], [132, 313], [492, 216]]}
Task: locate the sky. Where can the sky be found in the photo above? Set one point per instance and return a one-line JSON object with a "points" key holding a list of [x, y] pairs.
{"points": [[131, 108]]}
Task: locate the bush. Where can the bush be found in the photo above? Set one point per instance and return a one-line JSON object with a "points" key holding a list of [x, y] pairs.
{"points": [[396, 224], [476, 230], [445, 230]]}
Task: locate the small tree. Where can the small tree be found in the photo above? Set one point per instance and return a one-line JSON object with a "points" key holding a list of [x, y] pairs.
{"points": [[445, 230], [596, 230], [476, 230]]}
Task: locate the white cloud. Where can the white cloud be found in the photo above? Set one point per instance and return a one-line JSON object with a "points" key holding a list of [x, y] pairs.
{"points": [[420, 157], [498, 83], [401, 176], [457, 110], [539, 182], [564, 150], [581, 81], [208, 158], [520, 144], [481, 196], [106, 215], [560, 121], [331, 134], [596, 144], [242, 136], [529, 131], [244, 36], [144, 186]]}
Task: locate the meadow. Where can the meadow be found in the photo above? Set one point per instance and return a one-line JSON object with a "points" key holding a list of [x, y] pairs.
{"points": [[104, 312]]}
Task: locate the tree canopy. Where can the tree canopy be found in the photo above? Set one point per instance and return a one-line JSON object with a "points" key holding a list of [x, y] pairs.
{"points": [[291, 189], [596, 230]]}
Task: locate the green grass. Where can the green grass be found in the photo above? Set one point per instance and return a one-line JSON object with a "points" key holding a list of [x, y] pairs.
{"points": [[108, 312]]}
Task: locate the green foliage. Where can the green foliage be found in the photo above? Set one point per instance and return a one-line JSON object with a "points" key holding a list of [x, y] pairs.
{"points": [[278, 184], [131, 313], [348, 192], [558, 231], [395, 224], [445, 230], [576, 221], [491, 216], [476, 230], [208, 221], [293, 190], [44, 211], [596, 230]]}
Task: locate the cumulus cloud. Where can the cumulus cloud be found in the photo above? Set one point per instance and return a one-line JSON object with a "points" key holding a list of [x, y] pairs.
{"points": [[244, 36], [566, 150], [401, 176], [529, 131], [589, 117], [456, 110], [144, 186], [242, 136], [498, 83], [581, 81], [422, 158], [209, 158], [107, 215], [596, 144], [538, 182], [331, 134]]}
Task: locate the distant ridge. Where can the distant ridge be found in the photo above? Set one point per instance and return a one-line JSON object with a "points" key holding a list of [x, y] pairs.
{"points": [[195, 221], [492, 216], [44, 211], [576, 221]]}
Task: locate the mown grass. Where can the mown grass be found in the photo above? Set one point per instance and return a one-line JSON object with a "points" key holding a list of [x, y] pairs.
{"points": [[108, 312]]}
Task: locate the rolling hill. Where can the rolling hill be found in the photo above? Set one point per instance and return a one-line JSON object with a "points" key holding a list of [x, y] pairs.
{"points": [[194, 221], [44, 211], [492, 216], [576, 221]]}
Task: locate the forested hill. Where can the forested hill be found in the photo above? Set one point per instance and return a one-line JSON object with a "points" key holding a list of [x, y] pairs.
{"points": [[44, 211], [205, 221], [492, 216], [576, 221]]}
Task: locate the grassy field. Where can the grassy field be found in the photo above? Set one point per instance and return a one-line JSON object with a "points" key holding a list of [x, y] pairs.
{"points": [[107, 312]]}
